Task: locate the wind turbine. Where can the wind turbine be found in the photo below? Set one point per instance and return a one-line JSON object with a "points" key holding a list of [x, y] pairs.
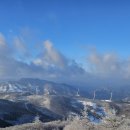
{"points": [[78, 93], [94, 94], [111, 96], [36, 90]]}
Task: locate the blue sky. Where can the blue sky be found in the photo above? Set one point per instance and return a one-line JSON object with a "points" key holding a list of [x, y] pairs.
{"points": [[69, 30], [70, 24]]}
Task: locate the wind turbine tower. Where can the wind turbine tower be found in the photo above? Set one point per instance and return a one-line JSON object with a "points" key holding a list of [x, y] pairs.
{"points": [[111, 96], [78, 93], [94, 95]]}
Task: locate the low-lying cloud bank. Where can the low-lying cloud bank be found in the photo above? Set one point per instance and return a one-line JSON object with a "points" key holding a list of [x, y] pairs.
{"points": [[51, 64]]}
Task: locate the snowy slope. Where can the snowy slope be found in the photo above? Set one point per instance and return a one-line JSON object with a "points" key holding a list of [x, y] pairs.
{"points": [[37, 86]]}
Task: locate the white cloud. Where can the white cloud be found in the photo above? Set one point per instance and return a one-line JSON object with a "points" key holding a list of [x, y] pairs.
{"points": [[57, 65], [19, 45], [3, 46], [53, 65], [105, 64], [109, 68], [20, 48], [51, 57], [50, 64], [2, 40]]}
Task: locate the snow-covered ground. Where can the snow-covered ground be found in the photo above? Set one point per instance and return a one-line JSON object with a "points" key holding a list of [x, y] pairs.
{"points": [[11, 88], [94, 112]]}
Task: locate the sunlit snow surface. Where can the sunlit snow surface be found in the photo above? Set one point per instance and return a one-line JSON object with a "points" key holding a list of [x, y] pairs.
{"points": [[94, 112], [11, 88]]}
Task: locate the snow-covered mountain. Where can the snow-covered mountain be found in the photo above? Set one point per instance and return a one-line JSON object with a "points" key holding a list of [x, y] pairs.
{"points": [[31, 86], [26, 109], [37, 86], [20, 112], [48, 108], [24, 100]]}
